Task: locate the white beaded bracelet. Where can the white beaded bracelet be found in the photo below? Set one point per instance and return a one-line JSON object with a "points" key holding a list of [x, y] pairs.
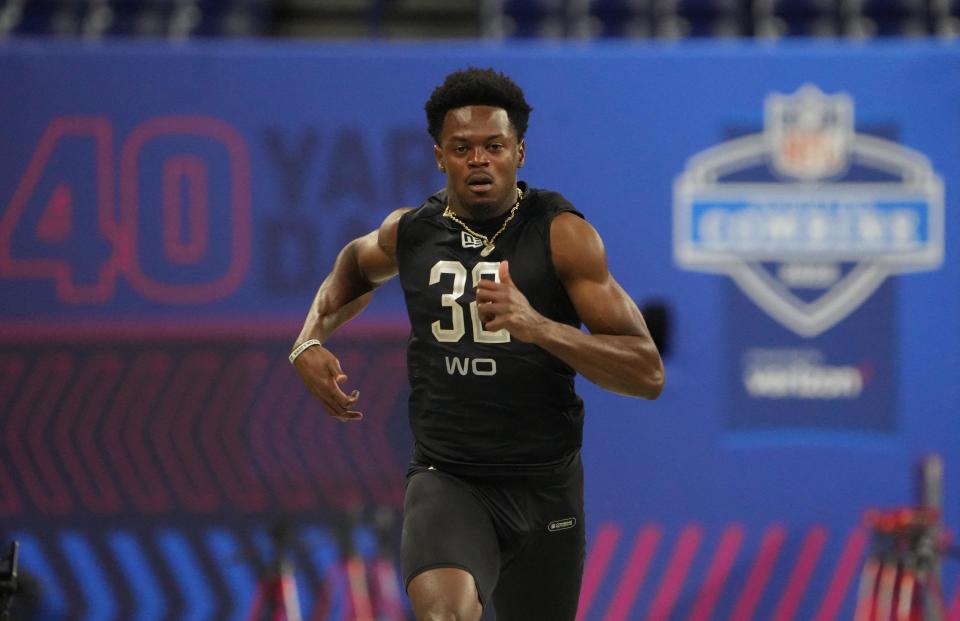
{"points": [[302, 347]]}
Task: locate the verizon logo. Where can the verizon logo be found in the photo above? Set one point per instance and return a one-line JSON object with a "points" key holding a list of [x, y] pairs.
{"points": [[802, 380]]}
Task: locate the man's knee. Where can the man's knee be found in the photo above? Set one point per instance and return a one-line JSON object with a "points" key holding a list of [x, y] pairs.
{"points": [[445, 594]]}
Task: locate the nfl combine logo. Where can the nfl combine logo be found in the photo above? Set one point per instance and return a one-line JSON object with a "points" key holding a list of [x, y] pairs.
{"points": [[808, 217]]}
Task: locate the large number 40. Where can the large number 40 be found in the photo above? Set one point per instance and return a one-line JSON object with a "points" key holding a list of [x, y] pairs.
{"points": [[449, 300], [179, 233]]}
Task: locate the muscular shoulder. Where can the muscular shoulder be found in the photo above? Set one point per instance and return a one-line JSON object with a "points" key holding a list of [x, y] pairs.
{"points": [[388, 231], [576, 248]]}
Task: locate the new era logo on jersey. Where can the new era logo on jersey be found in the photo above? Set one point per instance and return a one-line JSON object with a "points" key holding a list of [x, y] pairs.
{"points": [[469, 241]]}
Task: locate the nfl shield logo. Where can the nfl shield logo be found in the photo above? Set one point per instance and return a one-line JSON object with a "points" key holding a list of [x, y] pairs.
{"points": [[804, 234], [810, 133]]}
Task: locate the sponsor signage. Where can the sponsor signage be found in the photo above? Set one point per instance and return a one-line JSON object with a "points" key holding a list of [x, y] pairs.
{"points": [[809, 218]]}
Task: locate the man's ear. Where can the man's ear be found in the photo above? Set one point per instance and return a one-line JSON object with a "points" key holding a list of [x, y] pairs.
{"points": [[521, 153], [438, 155]]}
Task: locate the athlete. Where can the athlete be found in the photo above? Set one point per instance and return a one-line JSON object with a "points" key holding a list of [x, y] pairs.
{"points": [[498, 278]]}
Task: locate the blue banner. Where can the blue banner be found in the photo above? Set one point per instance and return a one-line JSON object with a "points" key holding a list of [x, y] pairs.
{"points": [[168, 212]]}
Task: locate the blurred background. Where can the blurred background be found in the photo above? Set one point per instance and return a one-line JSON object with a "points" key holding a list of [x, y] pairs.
{"points": [[773, 180], [480, 19]]}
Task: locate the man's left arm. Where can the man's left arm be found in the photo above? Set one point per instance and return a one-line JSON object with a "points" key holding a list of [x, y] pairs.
{"points": [[618, 354]]}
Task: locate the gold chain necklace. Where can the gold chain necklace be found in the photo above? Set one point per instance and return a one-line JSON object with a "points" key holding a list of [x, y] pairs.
{"points": [[487, 241]]}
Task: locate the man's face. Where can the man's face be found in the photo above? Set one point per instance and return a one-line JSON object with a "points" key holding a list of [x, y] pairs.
{"points": [[480, 154]]}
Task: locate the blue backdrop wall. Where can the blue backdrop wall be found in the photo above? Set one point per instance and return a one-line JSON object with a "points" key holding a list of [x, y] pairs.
{"points": [[169, 211]]}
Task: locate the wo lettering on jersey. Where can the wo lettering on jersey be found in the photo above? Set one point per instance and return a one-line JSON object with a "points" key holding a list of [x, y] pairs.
{"points": [[467, 366]]}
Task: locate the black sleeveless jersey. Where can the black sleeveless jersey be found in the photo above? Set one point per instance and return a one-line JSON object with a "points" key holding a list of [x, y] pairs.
{"points": [[483, 403]]}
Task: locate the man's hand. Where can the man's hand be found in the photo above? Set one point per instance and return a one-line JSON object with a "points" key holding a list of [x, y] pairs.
{"points": [[502, 305], [320, 371]]}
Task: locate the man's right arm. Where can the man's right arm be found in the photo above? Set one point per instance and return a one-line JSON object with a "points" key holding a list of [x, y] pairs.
{"points": [[362, 266]]}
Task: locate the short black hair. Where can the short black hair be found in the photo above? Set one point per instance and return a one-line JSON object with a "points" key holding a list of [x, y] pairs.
{"points": [[477, 87]]}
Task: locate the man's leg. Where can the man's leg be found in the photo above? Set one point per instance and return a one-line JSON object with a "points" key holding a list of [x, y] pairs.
{"points": [[449, 549], [542, 581], [445, 594]]}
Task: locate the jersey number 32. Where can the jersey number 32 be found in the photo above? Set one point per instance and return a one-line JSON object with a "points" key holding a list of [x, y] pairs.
{"points": [[449, 300]]}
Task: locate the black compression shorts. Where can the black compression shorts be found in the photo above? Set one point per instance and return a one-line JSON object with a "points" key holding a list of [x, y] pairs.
{"points": [[522, 540]]}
